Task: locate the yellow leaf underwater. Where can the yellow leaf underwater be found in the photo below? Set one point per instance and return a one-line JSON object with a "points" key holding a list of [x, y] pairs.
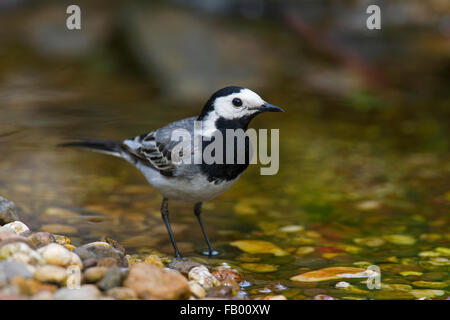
{"points": [[431, 284], [333, 273], [243, 208]]}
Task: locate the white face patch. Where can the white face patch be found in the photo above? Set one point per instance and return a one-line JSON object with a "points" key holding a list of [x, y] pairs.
{"points": [[225, 108]]}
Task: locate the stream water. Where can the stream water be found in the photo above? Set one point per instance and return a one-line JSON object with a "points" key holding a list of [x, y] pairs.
{"points": [[353, 189]]}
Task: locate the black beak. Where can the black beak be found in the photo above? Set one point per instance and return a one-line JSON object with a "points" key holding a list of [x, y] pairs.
{"points": [[270, 108]]}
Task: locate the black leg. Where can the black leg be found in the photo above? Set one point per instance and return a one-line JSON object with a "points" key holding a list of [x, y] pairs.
{"points": [[198, 211], [165, 216]]}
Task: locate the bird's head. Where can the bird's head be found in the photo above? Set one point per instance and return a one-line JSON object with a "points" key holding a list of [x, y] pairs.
{"points": [[235, 103]]}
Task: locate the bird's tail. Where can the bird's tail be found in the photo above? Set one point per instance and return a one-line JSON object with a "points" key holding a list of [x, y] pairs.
{"points": [[110, 147]]}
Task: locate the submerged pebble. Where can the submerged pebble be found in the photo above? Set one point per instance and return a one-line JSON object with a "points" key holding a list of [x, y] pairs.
{"points": [[400, 239], [275, 297], [18, 227], [244, 208], [259, 246], [410, 273], [431, 237], [62, 240], [59, 228], [60, 212], [5, 230], [426, 254], [121, 293], [323, 297], [368, 205], [443, 251], [196, 289], [183, 265], [30, 287], [37, 273], [43, 295], [111, 279], [98, 250], [116, 245], [427, 293]]}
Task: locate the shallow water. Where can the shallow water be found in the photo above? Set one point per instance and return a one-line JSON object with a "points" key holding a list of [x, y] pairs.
{"points": [[344, 176]]}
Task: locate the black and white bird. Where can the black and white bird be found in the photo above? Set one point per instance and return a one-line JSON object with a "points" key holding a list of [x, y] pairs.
{"points": [[229, 108]]}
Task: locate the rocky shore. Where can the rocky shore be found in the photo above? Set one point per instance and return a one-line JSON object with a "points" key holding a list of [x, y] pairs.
{"points": [[45, 264], [42, 265]]}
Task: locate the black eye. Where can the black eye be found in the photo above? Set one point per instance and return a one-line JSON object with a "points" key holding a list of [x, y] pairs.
{"points": [[237, 102]]}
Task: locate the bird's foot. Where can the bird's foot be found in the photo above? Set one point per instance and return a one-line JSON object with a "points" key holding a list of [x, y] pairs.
{"points": [[211, 253], [178, 256]]}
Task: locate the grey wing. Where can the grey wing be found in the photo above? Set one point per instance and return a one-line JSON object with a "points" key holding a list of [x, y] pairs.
{"points": [[155, 147]]}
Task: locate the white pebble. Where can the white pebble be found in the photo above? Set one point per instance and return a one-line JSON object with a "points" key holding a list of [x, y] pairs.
{"points": [[76, 261], [56, 254], [17, 226], [342, 284]]}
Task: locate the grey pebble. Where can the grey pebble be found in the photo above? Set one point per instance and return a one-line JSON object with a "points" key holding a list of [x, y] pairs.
{"points": [[8, 211]]}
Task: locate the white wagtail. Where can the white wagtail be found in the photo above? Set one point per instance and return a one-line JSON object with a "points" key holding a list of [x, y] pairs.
{"points": [[229, 108]]}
